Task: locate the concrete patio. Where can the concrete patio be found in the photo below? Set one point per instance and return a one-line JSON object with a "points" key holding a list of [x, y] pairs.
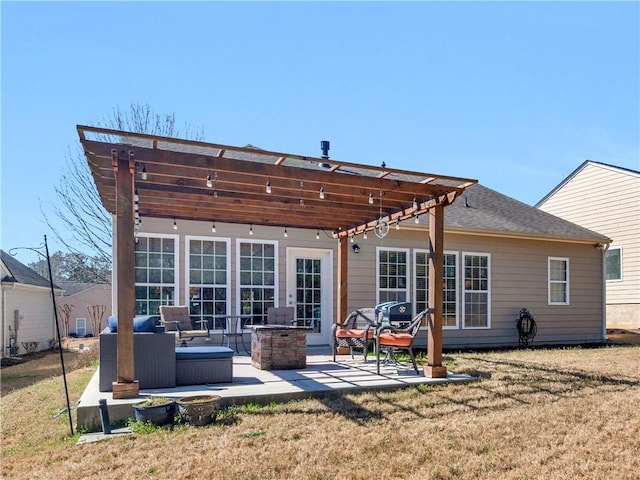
{"points": [[251, 385]]}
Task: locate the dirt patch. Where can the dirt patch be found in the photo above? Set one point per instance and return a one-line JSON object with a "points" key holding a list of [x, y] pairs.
{"points": [[627, 337], [29, 369]]}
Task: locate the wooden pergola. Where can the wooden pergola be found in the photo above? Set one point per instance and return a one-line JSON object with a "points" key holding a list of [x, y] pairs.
{"points": [[184, 179]]}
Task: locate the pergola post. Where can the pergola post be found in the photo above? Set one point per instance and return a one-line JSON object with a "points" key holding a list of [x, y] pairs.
{"points": [[125, 385], [343, 273], [434, 368]]}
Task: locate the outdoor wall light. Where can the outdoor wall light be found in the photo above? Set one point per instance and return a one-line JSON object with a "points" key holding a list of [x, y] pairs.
{"points": [[356, 248]]}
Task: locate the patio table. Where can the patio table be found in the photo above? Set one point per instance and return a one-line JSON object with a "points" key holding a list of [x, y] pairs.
{"points": [[233, 329]]}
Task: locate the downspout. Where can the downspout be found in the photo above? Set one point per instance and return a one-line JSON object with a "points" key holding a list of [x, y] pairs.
{"points": [[603, 247]]}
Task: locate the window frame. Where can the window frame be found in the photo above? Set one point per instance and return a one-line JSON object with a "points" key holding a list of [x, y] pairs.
{"points": [[176, 267], [238, 272], [551, 282], [407, 289], [463, 296], [84, 320], [187, 270], [613, 280], [455, 254]]}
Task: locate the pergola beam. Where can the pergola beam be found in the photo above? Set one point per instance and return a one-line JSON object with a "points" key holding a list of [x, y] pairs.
{"points": [[175, 187]]}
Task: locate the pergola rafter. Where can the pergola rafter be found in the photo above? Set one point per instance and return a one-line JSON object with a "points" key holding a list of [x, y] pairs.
{"points": [[253, 186]]}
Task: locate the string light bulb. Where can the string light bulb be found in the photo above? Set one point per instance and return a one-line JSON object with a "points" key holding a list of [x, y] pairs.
{"points": [[415, 203], [364, 235], [318, 234], [143, 175], [213, 227], [397, 225], [175, 225], [268, 187], [322, 192], [286, 234], [136, 197], [371, 198], [417, 219], [251, 230], [209, 182], [351, 238]]}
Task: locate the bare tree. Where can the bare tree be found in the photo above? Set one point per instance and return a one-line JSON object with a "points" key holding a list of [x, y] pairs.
{"points": [[96, 314], [65, 312], [83, 225]]}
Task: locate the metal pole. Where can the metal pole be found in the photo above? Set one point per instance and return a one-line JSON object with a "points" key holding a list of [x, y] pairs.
{"points": [[55, 313]]}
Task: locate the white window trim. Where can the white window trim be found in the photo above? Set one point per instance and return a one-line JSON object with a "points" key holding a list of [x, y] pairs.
{"points": [[549, 260], [415, 289], [393, 249], [187, 283], [85, 325], [616, 280], [276, 274], [464, 290], [176, 266]]}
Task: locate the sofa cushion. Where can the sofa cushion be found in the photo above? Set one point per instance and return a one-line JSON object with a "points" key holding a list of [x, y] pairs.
{"points": [[142, 323], [201, 353]]}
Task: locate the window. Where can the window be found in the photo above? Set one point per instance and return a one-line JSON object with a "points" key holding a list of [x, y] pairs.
{"points": [[392, 275], [613, 264], [81, 327], [476, 306], [558, 281], [208, 279], [450, 292], [155, 272], [257, 278]]}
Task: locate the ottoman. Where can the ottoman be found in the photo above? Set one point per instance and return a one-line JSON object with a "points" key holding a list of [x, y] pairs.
{"points": [[201, 365]]}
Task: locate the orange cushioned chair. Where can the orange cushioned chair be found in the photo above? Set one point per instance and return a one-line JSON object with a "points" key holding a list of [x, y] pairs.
{"points": [[357, 331], [393, 338]]}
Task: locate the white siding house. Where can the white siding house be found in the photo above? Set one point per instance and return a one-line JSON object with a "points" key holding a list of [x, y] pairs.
{"points": [[27, 307], [616, 214]]}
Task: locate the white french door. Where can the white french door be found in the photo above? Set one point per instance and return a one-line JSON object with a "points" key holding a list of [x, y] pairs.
{"points": [[310, 291]]}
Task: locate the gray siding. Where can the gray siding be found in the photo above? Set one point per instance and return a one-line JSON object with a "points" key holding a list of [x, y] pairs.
{"points": [[518, 278]]}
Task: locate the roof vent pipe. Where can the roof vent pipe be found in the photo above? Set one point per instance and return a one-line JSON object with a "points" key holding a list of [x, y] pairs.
{"points": [[324, 146]]}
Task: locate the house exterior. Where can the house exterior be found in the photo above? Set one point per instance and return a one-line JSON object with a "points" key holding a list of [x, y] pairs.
{"points": [[616, 214], [26, 308], [501, 255], [86, 301]]}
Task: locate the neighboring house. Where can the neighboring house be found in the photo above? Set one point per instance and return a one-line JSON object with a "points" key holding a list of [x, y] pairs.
{"points": [[85, 301], [501, 255], [606, 198], [26, 306]]}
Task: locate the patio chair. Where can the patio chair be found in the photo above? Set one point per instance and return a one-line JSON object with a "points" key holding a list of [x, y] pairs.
{"points": [[394, 338], [281, 316], [176, 319], [357, 331]]}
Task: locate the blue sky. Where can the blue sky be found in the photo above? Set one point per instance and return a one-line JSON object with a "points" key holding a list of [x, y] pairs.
{"points": [[515, 94]]}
